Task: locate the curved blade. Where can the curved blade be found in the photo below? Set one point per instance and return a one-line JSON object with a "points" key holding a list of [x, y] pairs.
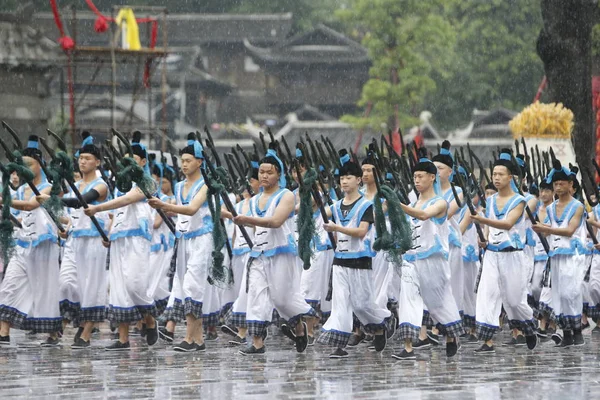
{"points": [[48, 148], [120, 136], [13, 134], [59, 142]]}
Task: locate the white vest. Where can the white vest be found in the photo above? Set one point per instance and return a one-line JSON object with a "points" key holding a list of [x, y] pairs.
{"points": [[81, 225], [201, 223], [162, 237], [348, 246], [429, 237], [500, 239], [37, 226], [470, 246], [272, 241], [132, 220], [454, 235], [563, 244]]}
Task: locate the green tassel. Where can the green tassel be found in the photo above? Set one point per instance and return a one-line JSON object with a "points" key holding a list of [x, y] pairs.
{"points": [[399, 240], [305, 221], [130, 172]]}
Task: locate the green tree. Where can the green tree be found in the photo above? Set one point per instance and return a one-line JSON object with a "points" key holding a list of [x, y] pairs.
{"points": [[495, 64], [407, 41]]}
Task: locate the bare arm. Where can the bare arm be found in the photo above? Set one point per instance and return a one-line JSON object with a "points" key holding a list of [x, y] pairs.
{"points": [[28, 205], [282, 213], [360, 232], [436, 209], [568, 231], [505, 224], [453, 206], [464, 224], [189, 209], [133, 196]]}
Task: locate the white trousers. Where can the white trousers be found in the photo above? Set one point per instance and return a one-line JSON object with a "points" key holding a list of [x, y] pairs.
{"points": [[274, 281], [383, 274], [457, 278], [504, 282], [83, 278], [160, 262], [471, 269], [29, 294], [314, 282], [568, 272]]}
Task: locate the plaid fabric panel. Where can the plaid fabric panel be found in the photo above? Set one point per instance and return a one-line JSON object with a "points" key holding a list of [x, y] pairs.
{"points": [[173, 265], [569, 322], [257, 328], [453, 329], [468, 321], [13, 316], [334, 338], [593, 312], [211, 319], [192, 307], [42, 325], [295, 319], [236, 319], [92, 314], [485, 332], [175, 313], [547, 311], [407, 331], [325, 316], [70, 311], [129, 314], [427, 320], [161, 305]]}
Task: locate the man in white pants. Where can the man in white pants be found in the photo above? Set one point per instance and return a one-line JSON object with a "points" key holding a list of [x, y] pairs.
{"points": [[352, 276], [425, 270], [29, 294], [84, 265], [504, 277], [273, 278]]}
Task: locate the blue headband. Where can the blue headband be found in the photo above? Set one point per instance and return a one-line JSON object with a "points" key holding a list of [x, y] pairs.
{"points": [[87, 141], [505, 156], [437, 188], [521, 162], [321, 168], [344, 159], [389, 176], [563, 169], [254, 164], [198, 149], [273, 153], [298, 153], [32, 144], [446, 152]]}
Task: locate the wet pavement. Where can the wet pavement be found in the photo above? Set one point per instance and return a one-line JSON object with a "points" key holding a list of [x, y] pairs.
{"points": [[28, 371]]}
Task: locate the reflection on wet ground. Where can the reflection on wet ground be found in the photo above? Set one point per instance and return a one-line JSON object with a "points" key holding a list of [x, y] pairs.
{"points": [[28, 371]]}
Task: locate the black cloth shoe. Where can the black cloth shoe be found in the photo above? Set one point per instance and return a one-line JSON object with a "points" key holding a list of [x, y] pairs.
{"points": [[532, 341], [185, 347], [302, 341], [392, 329], [511, 342], [567, 340], [78, 334], [485, 350], [5, 340], [472, 339], [287, 331], [200, 347], [433, 338], [118, 346], [166, 335], [311, 340], [152, 334], [585, 326], [451, 348], [95, 330], [229, 330], [557, 338], [144, 330], [578, 339], [238, 340], [50, 342], [339, 353], [542, 334], [80, 344], [521, 341], [405, 356], [355, 340], [422, 344], [379, 342], [211, 336], [252, 351], [369, 338]]}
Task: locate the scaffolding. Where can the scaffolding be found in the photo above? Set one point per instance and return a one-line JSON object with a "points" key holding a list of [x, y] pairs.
{"points": [[93, 59]]}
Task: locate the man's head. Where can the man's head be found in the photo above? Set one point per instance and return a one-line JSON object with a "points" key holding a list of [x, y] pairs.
{"points": [[192, 155], [444, 162], [271, 171], [32, 155], [88, 155], [561, 179], [490, 190], [504, 170], [425, 172], [546, 192], [350, 173]]}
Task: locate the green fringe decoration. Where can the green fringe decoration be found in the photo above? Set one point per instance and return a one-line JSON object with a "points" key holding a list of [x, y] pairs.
{"points": [[129, 172], [400, 239], [7, 242], [219, 274], [61, 167], [304, 221]]}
